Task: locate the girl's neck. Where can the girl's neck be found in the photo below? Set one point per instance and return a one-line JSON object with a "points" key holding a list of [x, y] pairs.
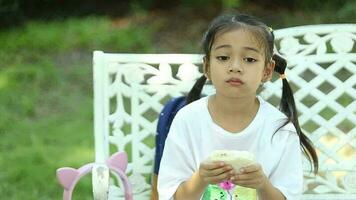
{"points": [[232, 114], [234, 107]]}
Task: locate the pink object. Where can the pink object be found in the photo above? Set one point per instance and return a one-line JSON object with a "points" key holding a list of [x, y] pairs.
{"points": [[68, 177], [226, 185]]}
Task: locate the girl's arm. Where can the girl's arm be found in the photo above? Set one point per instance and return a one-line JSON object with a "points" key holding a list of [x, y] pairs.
{"points": [[268, 191], [191, 189]]}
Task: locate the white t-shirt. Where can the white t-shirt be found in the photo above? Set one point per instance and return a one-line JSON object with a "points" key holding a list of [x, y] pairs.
{"points": [[193, 136]]}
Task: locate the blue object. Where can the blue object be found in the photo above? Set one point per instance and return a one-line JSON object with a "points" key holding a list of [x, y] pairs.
{"points": [[164, 123]]}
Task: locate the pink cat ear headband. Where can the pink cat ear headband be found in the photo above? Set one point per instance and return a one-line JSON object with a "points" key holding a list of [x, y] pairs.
{"points": [[68, 177]]}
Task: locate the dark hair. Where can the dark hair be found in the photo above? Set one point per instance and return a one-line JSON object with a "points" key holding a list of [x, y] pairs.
{"points": [[266, 38]]}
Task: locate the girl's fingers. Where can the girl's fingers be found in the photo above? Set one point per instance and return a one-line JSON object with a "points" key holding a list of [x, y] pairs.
{"points": [[218, 171], [248, 176], [219, 178], [215, 172], [214, 168], [251, 168], [254, 179], [212, 165]]}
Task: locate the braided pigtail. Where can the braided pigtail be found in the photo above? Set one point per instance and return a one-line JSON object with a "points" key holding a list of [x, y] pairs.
{"points": [[287, 106], [195, 92]]}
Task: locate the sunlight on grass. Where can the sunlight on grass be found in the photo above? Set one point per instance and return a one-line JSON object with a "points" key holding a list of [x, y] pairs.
{"points": [[3, 81], [80, 155]]}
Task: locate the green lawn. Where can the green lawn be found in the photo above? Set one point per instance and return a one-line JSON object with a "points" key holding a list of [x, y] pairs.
{"points": [[46, 100]]}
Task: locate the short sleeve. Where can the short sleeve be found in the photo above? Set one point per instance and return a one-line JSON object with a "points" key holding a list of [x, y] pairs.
{"points": [[288, 174], [177, 162]]}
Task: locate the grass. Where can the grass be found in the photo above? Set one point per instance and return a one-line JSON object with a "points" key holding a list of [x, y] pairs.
{"points": [[46, 100]]}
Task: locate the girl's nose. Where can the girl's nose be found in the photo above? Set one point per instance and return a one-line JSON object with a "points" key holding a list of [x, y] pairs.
{"points": [[235, 67]]}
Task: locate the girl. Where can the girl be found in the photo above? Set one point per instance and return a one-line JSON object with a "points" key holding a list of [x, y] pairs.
{"points": [[238, 60]]}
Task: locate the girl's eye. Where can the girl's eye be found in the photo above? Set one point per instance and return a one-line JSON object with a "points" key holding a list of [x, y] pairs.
{"points": [[250, 60], [223, 58]]}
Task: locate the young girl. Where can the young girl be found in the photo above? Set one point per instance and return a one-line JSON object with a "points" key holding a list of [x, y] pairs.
{"points": [[238, 60]]}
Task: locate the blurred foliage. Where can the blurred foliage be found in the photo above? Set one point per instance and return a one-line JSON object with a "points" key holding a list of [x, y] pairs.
{"points": [[13, 12], [307, 5]]}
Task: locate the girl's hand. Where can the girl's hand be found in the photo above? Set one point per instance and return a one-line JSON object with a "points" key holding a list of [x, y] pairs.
{"points": [[214, 172], [251, 176]]}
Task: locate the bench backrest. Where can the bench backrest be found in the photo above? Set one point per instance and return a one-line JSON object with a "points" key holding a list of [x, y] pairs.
{"points": [[131, 89]]}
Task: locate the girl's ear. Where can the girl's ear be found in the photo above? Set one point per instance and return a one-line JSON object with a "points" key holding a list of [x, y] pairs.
{"points": [[268, 71], [206, 67]]}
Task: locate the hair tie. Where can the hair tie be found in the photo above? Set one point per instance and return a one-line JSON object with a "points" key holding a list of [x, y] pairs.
{"points": [[282, 76]]}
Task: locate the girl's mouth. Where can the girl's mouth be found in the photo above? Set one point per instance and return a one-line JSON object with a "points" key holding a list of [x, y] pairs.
{"points": [[235, 82]]}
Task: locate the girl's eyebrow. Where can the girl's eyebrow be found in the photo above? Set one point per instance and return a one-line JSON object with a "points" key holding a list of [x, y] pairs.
{"points": [[229, 46], [222, 46], [252, 49]]}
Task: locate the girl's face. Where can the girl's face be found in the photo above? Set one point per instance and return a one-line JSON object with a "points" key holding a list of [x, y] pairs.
{"points": [[236, 65]]}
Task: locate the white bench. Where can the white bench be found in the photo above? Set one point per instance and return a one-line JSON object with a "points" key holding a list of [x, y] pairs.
{"points": [[131, 89]]}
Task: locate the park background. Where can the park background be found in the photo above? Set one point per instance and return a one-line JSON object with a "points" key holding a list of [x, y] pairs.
{"points": [[46, 95]]}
